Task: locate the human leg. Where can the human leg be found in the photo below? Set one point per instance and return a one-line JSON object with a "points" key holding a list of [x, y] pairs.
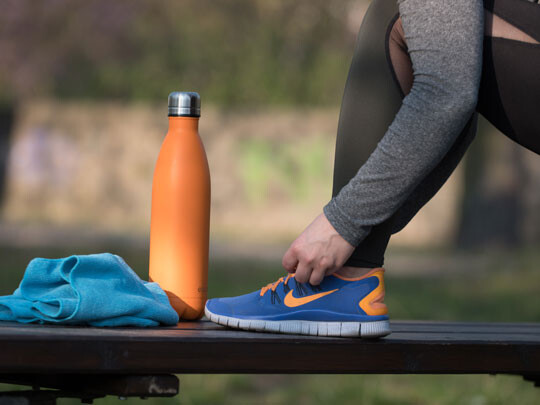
{"points": [[370, 102], [510, 89]]}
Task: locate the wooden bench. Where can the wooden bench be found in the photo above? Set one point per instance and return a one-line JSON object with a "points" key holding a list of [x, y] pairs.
{"points": [[89, 362]]}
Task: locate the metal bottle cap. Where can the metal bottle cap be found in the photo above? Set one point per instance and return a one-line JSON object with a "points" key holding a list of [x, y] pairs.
{"points": [[184, 104]]}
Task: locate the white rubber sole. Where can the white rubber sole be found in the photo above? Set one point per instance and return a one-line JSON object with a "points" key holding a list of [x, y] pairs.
{"points": [[340, 329]]}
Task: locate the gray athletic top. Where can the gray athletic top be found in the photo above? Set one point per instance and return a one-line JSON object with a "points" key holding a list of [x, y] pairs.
{"points": [[444, 40]]}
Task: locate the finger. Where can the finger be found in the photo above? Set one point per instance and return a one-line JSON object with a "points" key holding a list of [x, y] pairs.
{"points": [[303, 272], [290, 260], [330, 270], [317, 276]]}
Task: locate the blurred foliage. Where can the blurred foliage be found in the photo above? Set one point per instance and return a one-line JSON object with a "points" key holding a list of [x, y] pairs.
{"points": [[234, 52], [269, 167]]}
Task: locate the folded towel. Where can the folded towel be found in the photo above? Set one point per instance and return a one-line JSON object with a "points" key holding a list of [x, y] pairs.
{"points": [[96, 290]]}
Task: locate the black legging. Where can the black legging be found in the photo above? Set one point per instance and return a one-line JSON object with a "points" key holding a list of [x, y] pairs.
{"points": [[509, 98]]}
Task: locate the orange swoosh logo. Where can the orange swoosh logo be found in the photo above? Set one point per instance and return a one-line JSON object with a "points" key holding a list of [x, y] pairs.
{"points": [[291, 301]]}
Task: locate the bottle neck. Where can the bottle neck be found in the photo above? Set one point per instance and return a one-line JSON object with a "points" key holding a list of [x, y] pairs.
{"points": [[183, 124]]}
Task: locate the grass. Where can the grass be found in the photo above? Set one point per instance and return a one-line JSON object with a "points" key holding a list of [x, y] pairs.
{"points": [[508, 291]]}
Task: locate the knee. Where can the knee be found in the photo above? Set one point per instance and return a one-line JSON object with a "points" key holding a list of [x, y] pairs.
{"points": [[383, 4], [380, 12]]}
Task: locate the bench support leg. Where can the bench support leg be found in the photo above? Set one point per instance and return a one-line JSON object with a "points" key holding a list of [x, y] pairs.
{"points": [[88, 387], [534, 378]]}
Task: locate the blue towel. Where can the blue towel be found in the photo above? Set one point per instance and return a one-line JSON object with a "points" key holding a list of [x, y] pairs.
{"points": [[96, 290]]}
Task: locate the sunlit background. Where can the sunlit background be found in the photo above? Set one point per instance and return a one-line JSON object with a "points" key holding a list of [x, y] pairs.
{"points": [[83, 89]]}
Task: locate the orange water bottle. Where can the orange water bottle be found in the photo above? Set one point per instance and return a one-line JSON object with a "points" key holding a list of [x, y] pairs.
{"points": [[180, 221]]}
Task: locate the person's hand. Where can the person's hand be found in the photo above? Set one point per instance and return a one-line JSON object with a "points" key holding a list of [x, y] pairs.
{"points": [[317, 252]]}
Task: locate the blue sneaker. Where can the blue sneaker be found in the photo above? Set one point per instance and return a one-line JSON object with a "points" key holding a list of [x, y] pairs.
{"points": [[339, 306]]}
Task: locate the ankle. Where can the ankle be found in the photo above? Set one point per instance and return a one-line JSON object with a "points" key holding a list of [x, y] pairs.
{"points": [[353, 272]]}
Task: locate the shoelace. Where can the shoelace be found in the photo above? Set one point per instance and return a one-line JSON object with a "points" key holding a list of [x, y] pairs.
{"points": [[273, 286], [299, 287]]}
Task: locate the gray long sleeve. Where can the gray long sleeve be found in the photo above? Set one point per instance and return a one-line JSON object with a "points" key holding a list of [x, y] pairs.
{"points": [[444, 40]]}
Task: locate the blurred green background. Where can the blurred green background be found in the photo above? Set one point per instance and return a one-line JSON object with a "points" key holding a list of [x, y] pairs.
{"points": [[83, 89]]}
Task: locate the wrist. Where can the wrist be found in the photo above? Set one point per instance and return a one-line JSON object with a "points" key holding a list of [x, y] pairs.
{"points": [[343, 226]]}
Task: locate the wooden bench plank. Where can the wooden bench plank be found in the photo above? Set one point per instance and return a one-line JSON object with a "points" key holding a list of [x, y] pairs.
{"points": [[201, 330], [203, 347], [397, 326]]}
